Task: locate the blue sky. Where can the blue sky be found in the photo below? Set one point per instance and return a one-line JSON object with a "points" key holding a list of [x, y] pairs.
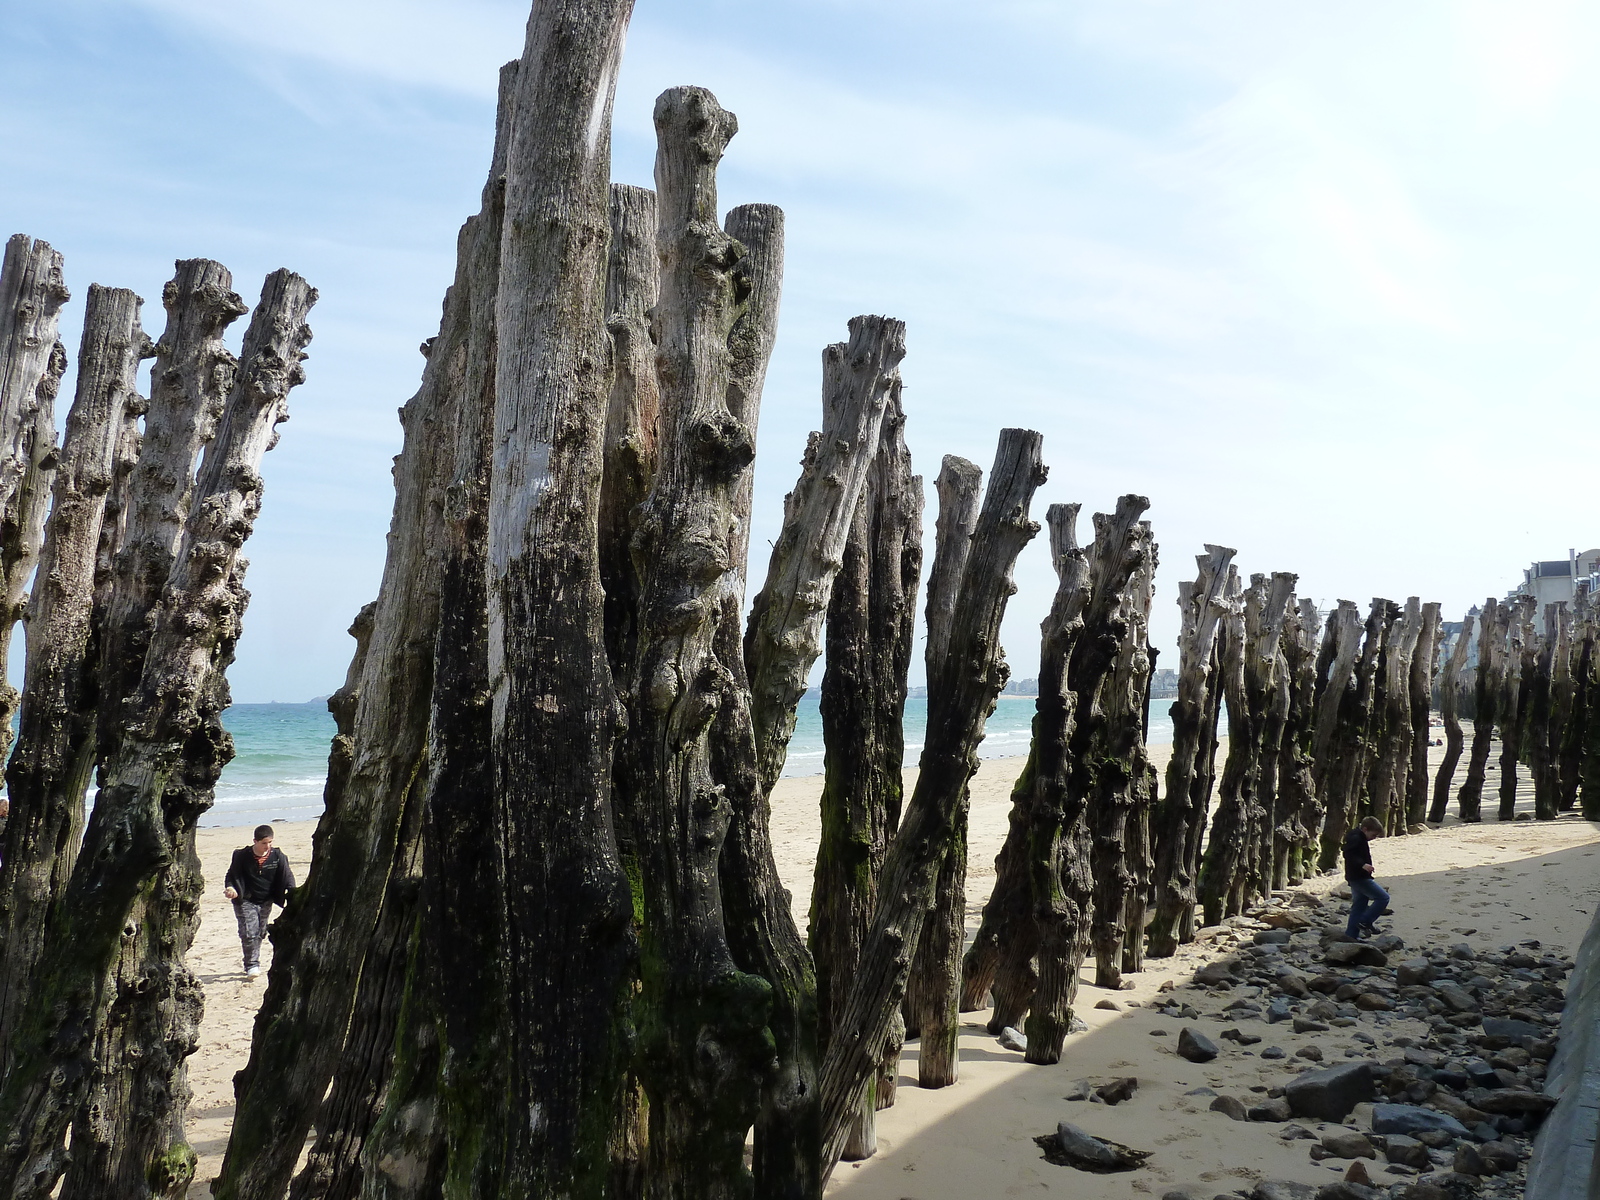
{"points": [[1321, 281]]}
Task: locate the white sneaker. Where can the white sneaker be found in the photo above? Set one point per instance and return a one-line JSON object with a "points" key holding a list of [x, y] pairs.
{"points": [[252, 972]]}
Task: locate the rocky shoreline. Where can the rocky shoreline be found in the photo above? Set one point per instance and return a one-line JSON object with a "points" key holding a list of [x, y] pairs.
{"points": [[1444, 1052]]}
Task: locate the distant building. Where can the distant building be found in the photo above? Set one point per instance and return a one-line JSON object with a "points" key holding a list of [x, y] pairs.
{"points": [[1556, 580]]}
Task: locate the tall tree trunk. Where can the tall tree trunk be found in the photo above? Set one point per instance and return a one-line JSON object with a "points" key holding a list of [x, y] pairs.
{"points": [[1183, 809], [32, 362], [871, 616], [959, 702], [49, 772], [1486, 701], [1424, 663], [1449, 711], [932, 1005], [158, 782]]}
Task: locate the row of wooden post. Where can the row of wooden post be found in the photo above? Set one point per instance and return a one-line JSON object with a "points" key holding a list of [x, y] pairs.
{"points": [[134, 611], [1328, 722]]}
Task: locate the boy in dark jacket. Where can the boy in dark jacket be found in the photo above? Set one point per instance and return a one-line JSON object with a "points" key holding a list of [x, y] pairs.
{"points": [[258, 877], [1367, 899]]}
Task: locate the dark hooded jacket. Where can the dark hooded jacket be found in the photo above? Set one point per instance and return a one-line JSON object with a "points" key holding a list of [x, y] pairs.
{"points": [[267, 883], [1357, 855]]}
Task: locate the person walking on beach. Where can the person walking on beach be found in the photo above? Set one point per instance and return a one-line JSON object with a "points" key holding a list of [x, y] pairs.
{"points": [[1367, 899], [257, 878]]}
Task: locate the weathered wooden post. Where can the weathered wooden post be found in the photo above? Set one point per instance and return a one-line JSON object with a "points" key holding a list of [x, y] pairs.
{"points": [[32, 362], [959, 703], [932, 1004], [1487, 685], [1349, 715], [54, 758], [1184, 804], [1424, 663], [1109, 671], [1299, 813], [1580, 713], [1251, 637], [1541, 723], [1449, 706], [1391, 745], [1521, 665], [781, 643], [158, 782], [871, 616]]}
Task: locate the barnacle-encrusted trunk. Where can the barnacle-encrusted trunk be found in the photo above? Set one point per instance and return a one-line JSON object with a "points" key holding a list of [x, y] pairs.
{"points": [[158, 781], [1347, 711], [1516, 698], [1299, 814]]}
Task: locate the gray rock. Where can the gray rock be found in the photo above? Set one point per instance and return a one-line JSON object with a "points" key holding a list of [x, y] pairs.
{"points": [[1272, 1052], [1463, 951], [1273, 937], [1183, 1193], [1238, 1035], [1013, 1039], [1079, 1089], [1408, 1118], [1480, 1073], [1511, 1031], [1307, 1025], [1457, 997], [1230, 1107], [1354, 954], [1109, 1005], [1276, 1109], [1348, 1143], [1117, 1090], [1082, 1147], [1407, 1151], [1344, 1189], [1195, 1046], [1283, 1189], [1290, 1133], [1215, 973], [1310, 1053], [1413, 971], [1509, 1101], [1077, 1025], [1278, 1011], [1468, 1161], [1331, 1093], [1500, 1156]]}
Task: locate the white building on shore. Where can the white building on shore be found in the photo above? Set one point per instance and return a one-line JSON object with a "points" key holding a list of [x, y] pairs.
{"points": [[1557, 579]]}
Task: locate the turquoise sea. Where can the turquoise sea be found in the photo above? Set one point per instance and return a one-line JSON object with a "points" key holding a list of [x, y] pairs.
{"points": [[281, 760]]}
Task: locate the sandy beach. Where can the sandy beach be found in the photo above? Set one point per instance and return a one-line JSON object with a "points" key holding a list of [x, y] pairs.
{"points": [[1487, 885]]}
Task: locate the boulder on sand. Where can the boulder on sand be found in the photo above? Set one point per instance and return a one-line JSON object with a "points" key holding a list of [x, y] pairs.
{"points": [[1331, 1093]]}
